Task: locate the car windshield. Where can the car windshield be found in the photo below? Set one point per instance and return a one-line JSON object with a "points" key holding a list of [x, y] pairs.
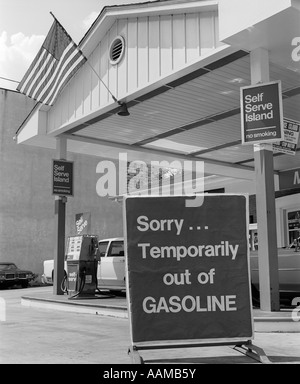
{"points": [[7, 266]]}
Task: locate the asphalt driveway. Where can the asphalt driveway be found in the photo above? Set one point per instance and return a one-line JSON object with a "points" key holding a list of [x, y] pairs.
{"points": [[46, 336]]}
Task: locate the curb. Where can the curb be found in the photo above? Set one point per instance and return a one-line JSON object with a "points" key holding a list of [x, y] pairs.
{"points": [[263, 324], [276, 324], [105, 310]]}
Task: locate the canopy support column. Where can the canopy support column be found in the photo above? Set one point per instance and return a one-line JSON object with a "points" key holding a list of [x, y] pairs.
{"points": [[265, 202], [60, 226]]}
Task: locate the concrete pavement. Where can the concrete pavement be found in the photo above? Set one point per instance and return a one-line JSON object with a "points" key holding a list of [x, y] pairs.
{"points": [[36, 327], [116, 306]]}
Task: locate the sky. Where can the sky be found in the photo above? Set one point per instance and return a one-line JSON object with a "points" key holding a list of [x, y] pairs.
{"points": [[24, 25]]}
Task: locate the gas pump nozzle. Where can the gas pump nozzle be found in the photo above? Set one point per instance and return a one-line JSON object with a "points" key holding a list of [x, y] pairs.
{"points": [[94, 249]]}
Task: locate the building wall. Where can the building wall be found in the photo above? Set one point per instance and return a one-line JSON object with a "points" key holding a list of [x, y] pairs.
{"points": [[155, 47], [27, 218]]}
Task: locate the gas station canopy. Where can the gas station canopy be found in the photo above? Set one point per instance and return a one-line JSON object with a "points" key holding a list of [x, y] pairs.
{"points": [[179, 67]]}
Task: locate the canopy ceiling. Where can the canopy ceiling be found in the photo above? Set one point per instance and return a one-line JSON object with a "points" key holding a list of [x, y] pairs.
{"points": [[195, 115]]}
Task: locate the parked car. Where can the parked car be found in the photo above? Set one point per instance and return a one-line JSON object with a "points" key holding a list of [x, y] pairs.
{"points": [[11, 275]]}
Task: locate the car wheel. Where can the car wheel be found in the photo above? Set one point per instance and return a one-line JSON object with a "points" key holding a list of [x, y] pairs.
{"points": [[255, 296], [24, 284]]}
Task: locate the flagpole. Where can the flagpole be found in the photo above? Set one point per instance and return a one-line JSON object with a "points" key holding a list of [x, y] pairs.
{"points": [[61, 27], [93, 69]]}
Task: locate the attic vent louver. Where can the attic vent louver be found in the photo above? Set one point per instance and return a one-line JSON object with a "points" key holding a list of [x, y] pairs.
{"points": [[116, 50]]}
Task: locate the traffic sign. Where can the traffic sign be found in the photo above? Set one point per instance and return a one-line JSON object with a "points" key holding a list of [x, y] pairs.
{"points": [[62, 178], [261, 113]]}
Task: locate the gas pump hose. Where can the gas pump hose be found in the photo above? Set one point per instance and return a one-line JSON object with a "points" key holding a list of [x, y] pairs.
{"points": [[63, 285]]}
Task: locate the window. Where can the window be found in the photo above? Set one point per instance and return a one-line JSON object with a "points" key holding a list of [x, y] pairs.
{"points": [[103, 247], [116, 248], [7, 266], [293, 218]]}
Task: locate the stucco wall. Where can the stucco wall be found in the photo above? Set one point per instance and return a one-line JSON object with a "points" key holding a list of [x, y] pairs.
{"points": [[27, 218]]}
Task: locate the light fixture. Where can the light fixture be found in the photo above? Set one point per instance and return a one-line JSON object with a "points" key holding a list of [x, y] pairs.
{"points": [[123, 111]]}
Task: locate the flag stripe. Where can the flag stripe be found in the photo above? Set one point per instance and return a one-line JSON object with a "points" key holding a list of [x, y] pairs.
{"points": [[65, 74], [31, 71], [56, 62], [38, 75], [65, 79], [54, 81], [51, 80], [43, 80]]}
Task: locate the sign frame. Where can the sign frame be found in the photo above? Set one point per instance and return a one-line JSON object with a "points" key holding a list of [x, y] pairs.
{"points": [[145, 344], [279, 127], [68, 187]]}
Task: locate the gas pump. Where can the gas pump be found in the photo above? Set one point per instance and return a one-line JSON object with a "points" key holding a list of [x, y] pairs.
{"points": [[82, 258]]}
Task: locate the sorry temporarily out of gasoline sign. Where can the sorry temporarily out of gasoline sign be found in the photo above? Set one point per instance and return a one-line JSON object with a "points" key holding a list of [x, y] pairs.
{"points": [[261, 113], [187, 269]]}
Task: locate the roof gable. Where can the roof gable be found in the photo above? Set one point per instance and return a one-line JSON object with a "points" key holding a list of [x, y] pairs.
{"points": [[159, 41]]}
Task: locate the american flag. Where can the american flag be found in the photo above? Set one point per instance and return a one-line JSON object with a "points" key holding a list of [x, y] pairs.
{"points": [[56, 62]]}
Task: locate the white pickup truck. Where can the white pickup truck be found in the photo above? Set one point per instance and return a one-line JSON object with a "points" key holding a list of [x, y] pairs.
{"points": [[110, 269]]}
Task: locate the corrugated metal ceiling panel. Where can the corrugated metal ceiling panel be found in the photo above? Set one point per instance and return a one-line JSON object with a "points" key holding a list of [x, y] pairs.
{"points": [[172, 111], [291, 108], [235, 154], [283, 162], [210, 135], [280, 161], [289, 79]]}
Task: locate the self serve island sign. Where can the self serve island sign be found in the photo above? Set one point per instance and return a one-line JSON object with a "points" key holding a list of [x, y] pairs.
{"points": [[62, 178], [188, 269], [261, 113]]}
